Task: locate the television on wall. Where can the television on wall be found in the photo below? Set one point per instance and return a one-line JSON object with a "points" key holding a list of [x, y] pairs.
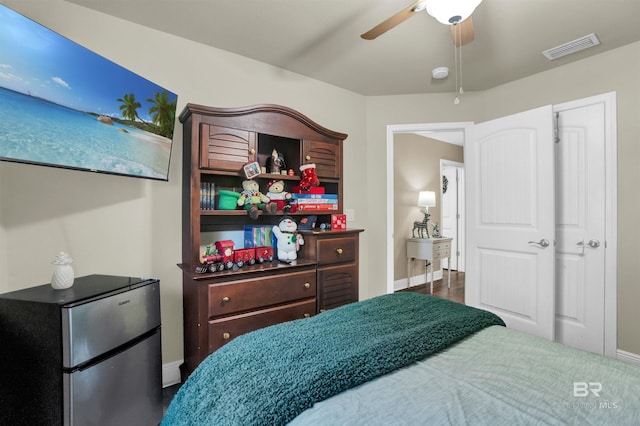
{"points": [[63, 105]]}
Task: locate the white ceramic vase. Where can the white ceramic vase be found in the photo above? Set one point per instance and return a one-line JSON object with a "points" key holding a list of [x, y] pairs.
{"points": [[63, 274]]}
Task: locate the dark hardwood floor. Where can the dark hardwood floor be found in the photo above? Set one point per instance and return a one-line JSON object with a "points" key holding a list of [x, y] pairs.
{"points": [[455, 293]]}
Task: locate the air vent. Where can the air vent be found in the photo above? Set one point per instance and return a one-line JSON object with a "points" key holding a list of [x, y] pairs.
{"points": [[572, 47]]}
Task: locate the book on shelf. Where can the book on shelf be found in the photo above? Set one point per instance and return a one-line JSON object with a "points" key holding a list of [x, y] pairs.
{"points": [[316, 207], [314, 196], [207, 195], [259, 235], [316, 201]]}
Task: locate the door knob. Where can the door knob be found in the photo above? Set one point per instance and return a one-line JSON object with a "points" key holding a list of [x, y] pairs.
{"points": [[593, 243], [544, 243]]}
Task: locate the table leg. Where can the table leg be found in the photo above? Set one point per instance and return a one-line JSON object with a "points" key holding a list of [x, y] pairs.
{"points": [[449, 272], [430, 268]]}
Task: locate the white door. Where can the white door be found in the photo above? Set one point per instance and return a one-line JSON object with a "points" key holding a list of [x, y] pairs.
{"points": [[580, 227], [451, 211], [509, 164]]}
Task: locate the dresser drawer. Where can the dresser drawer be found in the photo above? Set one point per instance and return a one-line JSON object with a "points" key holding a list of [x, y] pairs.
{"points": [[337, 250], [239, 296], [224, 329], [441, 250]]}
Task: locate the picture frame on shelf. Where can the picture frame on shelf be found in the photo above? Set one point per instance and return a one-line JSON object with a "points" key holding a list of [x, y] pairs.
{"points": [[252, 169]]}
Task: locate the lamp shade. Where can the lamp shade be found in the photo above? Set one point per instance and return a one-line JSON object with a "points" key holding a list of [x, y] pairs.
{"points": [[451, 12], [427, 199]]}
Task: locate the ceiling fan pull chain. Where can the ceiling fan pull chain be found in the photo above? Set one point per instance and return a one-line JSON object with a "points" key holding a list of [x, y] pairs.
{"points": [[459, 28], [456, 100]]}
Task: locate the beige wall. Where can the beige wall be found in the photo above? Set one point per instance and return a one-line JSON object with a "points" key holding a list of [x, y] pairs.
{"points": [[416, 162], [127, 226]]}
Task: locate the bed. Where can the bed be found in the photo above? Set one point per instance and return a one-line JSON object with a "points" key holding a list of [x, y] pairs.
{"points": [[404, 359]]}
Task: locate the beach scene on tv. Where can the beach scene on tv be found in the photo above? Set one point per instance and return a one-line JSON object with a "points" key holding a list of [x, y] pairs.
{"points": [[64, 105]]}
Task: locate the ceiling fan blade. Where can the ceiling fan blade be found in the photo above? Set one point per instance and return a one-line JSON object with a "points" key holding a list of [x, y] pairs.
{"points": [[463, 32], [396, 19]]}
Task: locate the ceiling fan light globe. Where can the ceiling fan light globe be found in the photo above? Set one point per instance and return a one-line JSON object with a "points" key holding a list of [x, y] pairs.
{"points": [[451, 12]]}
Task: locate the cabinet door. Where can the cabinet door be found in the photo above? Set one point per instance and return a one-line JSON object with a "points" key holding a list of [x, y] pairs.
{"points": [[326, 157], [337, 286], [223, 148]]}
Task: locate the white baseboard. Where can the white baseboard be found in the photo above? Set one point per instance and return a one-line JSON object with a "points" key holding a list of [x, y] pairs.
{"points": [[628, 357], [415, 280], [171, 373]]}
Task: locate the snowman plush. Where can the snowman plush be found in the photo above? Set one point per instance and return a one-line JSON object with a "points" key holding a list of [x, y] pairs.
{"points": [[289, 241]]}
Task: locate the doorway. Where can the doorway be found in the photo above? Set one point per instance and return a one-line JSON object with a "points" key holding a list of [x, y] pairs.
{"points": [[445, 130]]}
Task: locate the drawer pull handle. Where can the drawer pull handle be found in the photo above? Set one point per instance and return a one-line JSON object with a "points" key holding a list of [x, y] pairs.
{"points": [[253, 150], [226, 336], [225, 299], [308, 157], [339, 251], [307, 315], [307, 285]]}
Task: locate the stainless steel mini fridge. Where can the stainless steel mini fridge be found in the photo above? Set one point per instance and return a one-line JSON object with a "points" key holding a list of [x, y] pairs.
{"points": [[87, 355]]}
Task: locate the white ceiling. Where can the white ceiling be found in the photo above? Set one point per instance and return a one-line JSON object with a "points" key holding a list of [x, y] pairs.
{"points": [[321, 38]]}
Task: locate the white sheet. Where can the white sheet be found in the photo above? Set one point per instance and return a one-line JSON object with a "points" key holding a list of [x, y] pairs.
{"points": [[496, 377]]}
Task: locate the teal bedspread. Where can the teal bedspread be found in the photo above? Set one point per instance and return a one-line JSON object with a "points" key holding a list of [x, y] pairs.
{"points": [[271, 375]]}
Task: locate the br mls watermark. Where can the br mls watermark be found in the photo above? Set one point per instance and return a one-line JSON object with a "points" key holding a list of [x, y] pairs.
{"points": [[583, 389], [593, 389]]}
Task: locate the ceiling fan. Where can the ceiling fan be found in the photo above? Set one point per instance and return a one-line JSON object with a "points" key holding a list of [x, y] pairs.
{"points": [[456, 13]]}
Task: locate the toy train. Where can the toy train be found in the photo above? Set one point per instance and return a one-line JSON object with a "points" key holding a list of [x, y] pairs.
{"points": [[221, 256]]}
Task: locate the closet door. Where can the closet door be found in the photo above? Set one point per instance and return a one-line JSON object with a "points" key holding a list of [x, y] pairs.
{"points": [[511, 220], [580, 226]]}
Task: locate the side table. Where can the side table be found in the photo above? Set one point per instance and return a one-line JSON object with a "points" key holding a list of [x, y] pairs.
{"points": [[429, 249]]}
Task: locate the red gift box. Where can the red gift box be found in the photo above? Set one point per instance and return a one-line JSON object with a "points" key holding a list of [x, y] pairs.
{"points": [[312, 190], [338, 222]]}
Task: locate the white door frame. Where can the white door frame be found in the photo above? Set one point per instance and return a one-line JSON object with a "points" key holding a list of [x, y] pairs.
{"points": [[611, 213], [392, 129], [460, 221]]}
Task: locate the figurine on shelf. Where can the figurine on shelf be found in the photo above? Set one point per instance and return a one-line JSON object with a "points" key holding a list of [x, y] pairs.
{"points": [[275, 163], [278, 195], [253, 200], [435, 233], [289, 241], [422, 227]]}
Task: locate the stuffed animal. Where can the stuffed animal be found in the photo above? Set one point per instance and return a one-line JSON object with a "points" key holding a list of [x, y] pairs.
{"points": [[278, 195], [289, 241], [253, 200], [275, 164]]}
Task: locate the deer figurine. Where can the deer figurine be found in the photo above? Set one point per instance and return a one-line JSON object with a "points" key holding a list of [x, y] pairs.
{"points": [[422, 227]]}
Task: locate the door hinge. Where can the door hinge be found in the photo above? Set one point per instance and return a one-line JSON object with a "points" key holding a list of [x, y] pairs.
{"points": [[556, 129]]}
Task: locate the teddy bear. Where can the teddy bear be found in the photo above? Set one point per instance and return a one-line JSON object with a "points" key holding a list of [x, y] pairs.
{"points": [[253, 200], [278, 195], [289, 241]]}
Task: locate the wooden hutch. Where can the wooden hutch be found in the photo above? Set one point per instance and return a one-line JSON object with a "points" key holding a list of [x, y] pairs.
{"points": [[219, 306]]}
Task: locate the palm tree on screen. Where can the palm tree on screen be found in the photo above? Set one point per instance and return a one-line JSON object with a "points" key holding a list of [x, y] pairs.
{"points": [[130, 107], [163, 113]]}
